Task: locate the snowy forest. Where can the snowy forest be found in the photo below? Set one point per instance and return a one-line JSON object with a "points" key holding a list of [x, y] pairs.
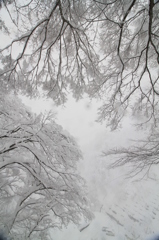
{"points": [[79, 140]]}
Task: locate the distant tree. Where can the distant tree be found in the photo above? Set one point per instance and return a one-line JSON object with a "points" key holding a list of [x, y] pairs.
{"points": [[39, 185], [107, 48], [140, 157]]}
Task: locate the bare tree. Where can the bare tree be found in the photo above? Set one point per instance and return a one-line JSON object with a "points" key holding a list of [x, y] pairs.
{"points": [[131, 69], [140, 157], [107, 48], [39, 185]]}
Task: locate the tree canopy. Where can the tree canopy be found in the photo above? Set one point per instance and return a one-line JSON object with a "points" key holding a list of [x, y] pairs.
{"points": [[106, 48], [39, 184], [140, 157]]}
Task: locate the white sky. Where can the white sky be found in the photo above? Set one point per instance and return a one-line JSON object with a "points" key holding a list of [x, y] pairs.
{"points": [[78, 118], [109, 186]]}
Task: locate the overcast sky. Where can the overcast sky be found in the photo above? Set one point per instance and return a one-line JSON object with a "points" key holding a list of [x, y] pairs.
{"points": [[79, 119], [109, 186]]}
